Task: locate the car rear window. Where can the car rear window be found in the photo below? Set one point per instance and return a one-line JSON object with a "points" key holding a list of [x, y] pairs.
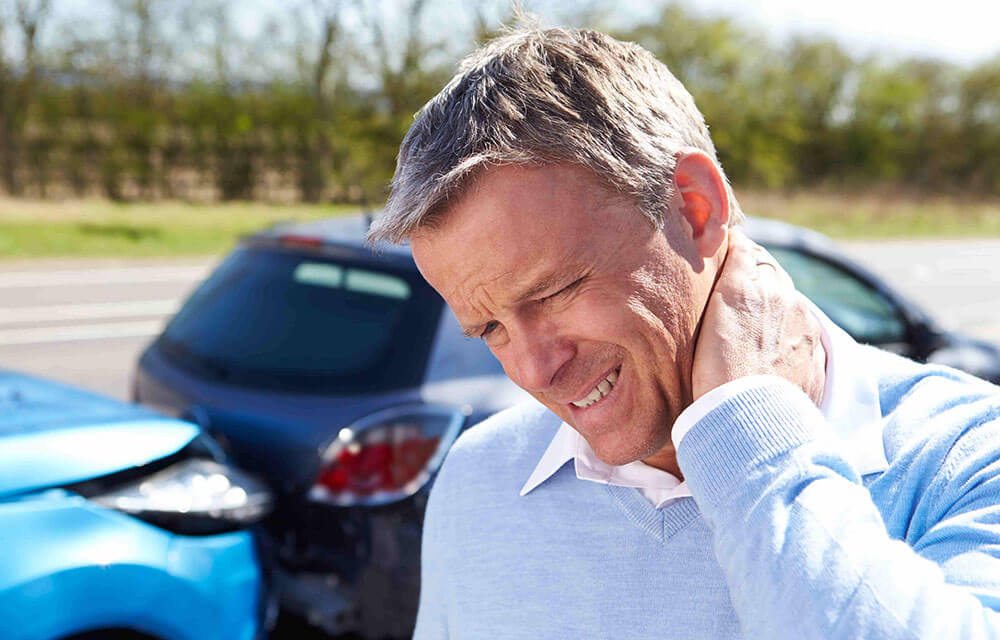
{"points": [[269, 317]]}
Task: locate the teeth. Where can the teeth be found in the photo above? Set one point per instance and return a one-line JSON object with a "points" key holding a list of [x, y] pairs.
{"points": [[602, 389]]}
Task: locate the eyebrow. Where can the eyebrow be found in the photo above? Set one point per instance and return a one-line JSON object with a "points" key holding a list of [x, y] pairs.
{"points": [[547, 282]]}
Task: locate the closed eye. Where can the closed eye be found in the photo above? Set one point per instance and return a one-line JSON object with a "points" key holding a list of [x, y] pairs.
{"points": [[489, 328], [564, 290]]}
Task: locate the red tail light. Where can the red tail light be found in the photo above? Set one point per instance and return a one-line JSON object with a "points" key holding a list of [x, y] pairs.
{"points": [[386, 456], [292, 240]]}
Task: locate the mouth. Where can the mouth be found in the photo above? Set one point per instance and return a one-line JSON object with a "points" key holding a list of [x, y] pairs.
{"points": [[600, 391]]}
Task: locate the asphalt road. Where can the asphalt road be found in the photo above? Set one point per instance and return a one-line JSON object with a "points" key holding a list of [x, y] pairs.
{"points": [[86, 322], [956, 281]]}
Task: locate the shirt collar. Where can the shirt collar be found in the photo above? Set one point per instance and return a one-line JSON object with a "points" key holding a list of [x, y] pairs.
{"points": [[850, 400], [850, 403]]}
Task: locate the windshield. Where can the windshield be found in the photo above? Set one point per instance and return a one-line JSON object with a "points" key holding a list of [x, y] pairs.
{"points": [[267, 317]]}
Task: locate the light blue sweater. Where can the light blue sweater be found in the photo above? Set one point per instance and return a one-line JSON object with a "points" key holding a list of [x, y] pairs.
{"points": [[781, 540]]}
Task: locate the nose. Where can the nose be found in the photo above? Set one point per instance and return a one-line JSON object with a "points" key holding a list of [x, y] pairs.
{"points": [[537, 354]]}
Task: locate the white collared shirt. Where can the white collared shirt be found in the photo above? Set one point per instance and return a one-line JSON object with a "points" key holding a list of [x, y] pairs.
{"points": [[850, 403]]}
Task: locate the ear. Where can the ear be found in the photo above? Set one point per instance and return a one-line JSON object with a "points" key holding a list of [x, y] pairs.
{"points": [[704, 201]]}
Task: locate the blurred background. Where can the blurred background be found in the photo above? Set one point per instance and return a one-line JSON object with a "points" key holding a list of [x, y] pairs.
{"points": [[151, 134], [861, 111], [140, 139]]}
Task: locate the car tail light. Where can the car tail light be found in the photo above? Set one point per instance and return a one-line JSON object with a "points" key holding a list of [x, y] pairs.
{"points": [[386, 456], [292, 240]]}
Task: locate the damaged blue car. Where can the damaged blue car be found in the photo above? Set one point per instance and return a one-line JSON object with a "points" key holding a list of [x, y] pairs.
{"points": [[116, 522]]}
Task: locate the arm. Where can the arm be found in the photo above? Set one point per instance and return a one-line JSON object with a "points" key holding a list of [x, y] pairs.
{"points": [[432, 621], [804, 547], [805, 550]]}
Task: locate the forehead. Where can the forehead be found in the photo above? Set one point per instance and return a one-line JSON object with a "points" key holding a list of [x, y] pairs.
{"points": [[517, 225]]}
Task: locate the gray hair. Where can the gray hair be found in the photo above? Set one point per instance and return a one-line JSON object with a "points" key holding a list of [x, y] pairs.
{"points": [[537, 97]]}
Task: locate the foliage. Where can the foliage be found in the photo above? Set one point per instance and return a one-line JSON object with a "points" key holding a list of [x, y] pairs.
{"points": [[170, 105]]}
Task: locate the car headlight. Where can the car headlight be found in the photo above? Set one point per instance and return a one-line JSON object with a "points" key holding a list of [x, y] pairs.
{"points": [[194, 496]]}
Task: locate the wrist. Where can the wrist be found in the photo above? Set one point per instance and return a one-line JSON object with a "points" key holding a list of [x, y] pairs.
{"points": [[707, 402]]}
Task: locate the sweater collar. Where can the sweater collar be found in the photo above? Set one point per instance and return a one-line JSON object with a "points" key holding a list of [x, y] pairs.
{"points": [[850, 404]]}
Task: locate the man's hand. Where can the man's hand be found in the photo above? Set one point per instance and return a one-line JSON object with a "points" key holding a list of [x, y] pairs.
{"points": [[756, 323]]}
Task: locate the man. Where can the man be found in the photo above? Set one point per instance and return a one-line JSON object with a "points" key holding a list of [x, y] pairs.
{"points": [[741, 468]]}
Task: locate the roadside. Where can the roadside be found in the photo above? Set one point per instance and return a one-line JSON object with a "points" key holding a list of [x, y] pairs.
{"points": [[96, 228], [956, 281], [883, 215], [86, 321], [141, 230]]}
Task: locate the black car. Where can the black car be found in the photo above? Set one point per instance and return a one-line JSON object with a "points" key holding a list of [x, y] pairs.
{"points": [[864, 305], [339, 375]]}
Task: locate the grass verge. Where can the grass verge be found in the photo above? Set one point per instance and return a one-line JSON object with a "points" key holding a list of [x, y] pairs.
{"points": [[30, 229], [874, 215]]}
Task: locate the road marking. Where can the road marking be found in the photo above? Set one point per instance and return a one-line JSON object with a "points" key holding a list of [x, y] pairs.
{"points": [[20, 315], [22, 279], [79, 333]]}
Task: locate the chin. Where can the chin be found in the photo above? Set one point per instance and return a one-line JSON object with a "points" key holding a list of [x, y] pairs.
{"points": [[616, 459], [621, 449]]}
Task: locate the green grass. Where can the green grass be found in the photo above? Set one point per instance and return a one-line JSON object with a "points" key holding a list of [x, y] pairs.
{"points": [[878, 215], [79, 228], [30, 229]]}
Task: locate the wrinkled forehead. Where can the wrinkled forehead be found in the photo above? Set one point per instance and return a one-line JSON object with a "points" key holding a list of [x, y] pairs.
{"points": [[496, 258], [516, 223]]}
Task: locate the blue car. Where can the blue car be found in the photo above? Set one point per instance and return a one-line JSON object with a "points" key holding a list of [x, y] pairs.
{"points": [[116, 522]]}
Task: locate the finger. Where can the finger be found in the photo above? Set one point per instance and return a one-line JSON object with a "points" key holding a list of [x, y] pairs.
{"points": [[741, 260], [748, 260], [767, 262], [766, 265]]}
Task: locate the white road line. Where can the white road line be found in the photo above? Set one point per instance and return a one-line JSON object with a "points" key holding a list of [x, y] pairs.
{"points": [[86, 332], [21, 279], [19, 315]]}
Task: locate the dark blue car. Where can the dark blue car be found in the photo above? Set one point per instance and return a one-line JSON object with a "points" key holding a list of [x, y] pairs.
{"points": [[340, 376], [116, 522]]}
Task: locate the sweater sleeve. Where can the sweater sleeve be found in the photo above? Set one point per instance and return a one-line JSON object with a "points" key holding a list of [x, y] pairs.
{"points": [[804, 548], [432, 621]]}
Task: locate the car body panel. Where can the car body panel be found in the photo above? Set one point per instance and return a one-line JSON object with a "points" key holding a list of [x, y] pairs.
{"points": [[31, 405], [291, 429], [281, 435], [55, 435], [70, 566]]}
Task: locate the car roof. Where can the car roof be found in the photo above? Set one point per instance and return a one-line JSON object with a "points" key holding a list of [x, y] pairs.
{"points": [[776, 232], [341, 231], [350, 231]]}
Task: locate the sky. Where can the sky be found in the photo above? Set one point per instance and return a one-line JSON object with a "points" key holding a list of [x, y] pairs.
{"points": [[961, 31]]}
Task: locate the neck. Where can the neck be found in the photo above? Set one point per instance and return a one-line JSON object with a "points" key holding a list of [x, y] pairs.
{"points": [[666, 460]]}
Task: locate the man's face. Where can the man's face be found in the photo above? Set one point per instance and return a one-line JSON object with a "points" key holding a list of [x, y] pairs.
{"points": [[588, 307]]}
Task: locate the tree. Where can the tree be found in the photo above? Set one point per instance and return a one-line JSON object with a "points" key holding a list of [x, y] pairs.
{"points": [[17, 90]]}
